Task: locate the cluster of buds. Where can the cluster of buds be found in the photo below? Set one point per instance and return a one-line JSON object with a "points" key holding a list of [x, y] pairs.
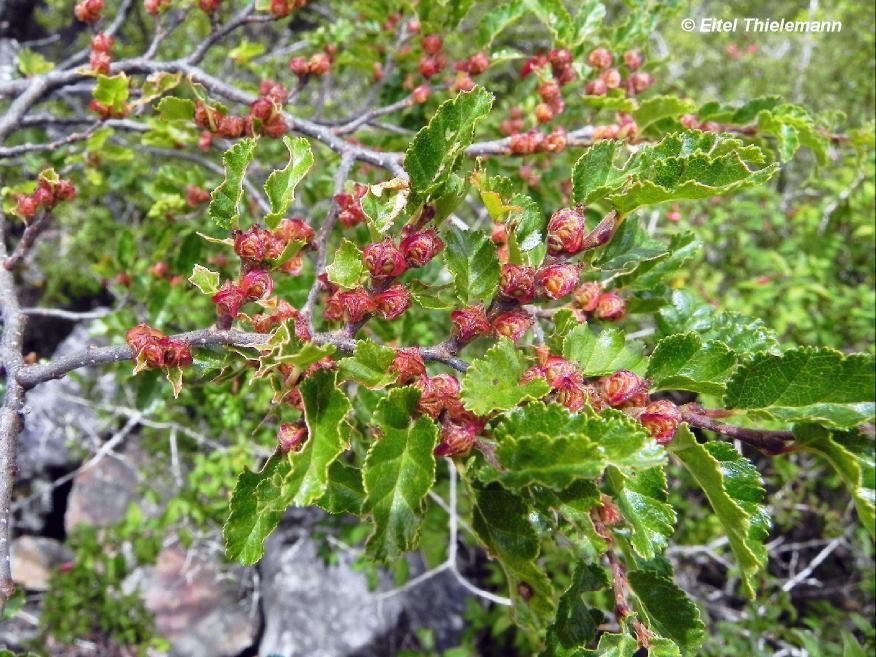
{"points": [[100, 53], [209, 6], [265, 117], [472, 322], [560, 60], [317, 65], [523, 284], [350, 206], [605, 306], [565, 231], [467, 68], [691, 122], [50, 191], [257, 245], [152, 349], [88, 11], [291, 436], [567, 384], [514, 124], [610, 78], [439, 399], [155, 7], [625, 128], [196, 196], [525, 143], [107, 112], [282, 8], [280, 312], [161, 270], [357, 304], [551, 101], [434, 59], [385, 260]]}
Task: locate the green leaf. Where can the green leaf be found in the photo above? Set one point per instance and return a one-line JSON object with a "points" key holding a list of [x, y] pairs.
{"points": [[602, 353], [280, 185], [347, 268], [225, 199], [492, 383], [257, 504], [205, 280], [501, 521], [626, 645], [588, 20], [668, 610], [438, 147], [498, 20], [643, 500], [399, 472], [112, 91], [495, 193], [172, 108], [245, 51], [157, 84], [687, 362], [630, 248], [807, 384], [32, 63], [345, 493], [851, 467], [661, 107], [576, 623], [369, 365], [470, 257], [655, 272], [527, 232], [554, 15], [384, 202], [591, 172], [711, 475]]}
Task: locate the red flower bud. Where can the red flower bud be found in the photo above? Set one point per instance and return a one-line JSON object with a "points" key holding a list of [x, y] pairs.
{"points": [[621, 387], [439, 393], [231, 127], [294, 230], [633, 59], [160, 269], [535, 63], [571, 393], [392, 303], [556, 369], [275, 127], [419, 248], [176, 353], [421, 94], [610, 307], [478, 63], [587, 296], [544, 113], [280, 8], [253, 244], [456, 439], [557, 281], [560, 58], [261, 108], [349, 305], [555, 142], [88, 11], [640, 81], [513, 324], [257, 284], [319, 64], [101, 42], [298, 66], [139, 336], [517, 282], [661, 418], [26, 206], [531, 374], [384, 259], [469, 323], [229, 299], [291, 437], [65, 190], [209, 6], [195, 196], [432, 43], [408, 365], [600, 58], [549, 91], [205, 140], [565, 231], [611, 78]]}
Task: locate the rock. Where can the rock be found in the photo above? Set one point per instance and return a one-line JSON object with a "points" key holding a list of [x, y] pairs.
{"points": [[195, 609], [34, 558], [314, 610], [101, 494]]}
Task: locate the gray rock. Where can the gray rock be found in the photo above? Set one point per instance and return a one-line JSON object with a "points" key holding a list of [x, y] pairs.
{"points": [[101, 494], [195, 607], [34, 559]]}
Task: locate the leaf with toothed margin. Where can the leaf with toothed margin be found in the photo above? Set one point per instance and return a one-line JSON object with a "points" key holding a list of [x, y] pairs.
{"points": [[369, 365], [112, 91], [171, 108], [438, 148], [659, 107], [383, 203], [626, 645], [527, 232], [224, 208], [344, 493], [347, 268], [643, 500], [667, 609], [576, 623], [205, 280], [399, 472], [280, 185], [470, 257], [591, 172], [685, 361], [492, 383], [602, 353]]}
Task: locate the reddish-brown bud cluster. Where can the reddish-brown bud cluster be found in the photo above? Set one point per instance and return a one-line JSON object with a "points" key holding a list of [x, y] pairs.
{"points": [[586, 297], [384, 259], [600, 58], [349, 305], [48, 194], [439, 394], [624, 388], [257, 245], [229, 300], [565, 231], [434, 60], [291, 436], [265, 116], [560, 60], [610, 78], [151, 348], [317, 65], [469, 323], [524, 143], [557, 281], [351, 213], [408, 365], [458, 435], [610, 307], [155, 7], [294, 230], [661, 418], [106, 112], [421, 94], [257, 284], [264, 322], [100, 53], [474, 65], [514, 124], [418, 248], [209, 6], [88, 11], [392, 302], [517, 282], [196, 196], [512, 324], [282, 8]]}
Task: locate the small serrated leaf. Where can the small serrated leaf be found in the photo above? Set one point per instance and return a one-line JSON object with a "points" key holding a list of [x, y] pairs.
{"points": [[225, 200], [347, 268], [280, 185], [492, 383], [205, 280]]}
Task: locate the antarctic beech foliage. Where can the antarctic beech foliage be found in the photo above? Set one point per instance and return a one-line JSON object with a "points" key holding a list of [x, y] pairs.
{"points": [[437, 253]]}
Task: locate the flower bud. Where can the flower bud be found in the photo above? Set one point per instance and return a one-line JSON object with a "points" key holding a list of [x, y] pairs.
{"points": [[513, 324], [555, 142], [566, 75], [392, 303], [571, 393], [294, 230], [531, 374], [560, 58], [350, 305], [205, 140], [195, 196], [100, 62], [455, 439], [557, 281], [231, 127], [257, 284], [88, 11], [517, 282], [421, 94], [384, 259], [549, 91], [291, 436], [478, 63], [640, 81], [469, 323], [565, 231], [261, 108], [419, 248], [299, 67], [438, 394], [610, 307], [611, 78], [319, 64], [587, 296], [596, 87], [26, 206], [555, 369], [229, 300], [408, 365], [633, 59], [544, 113], [176, 353], [65, 190], [600, 58], [432, 44], [139, 336], [661, 418], [621, 387], [208, 6], [252, 244]]}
